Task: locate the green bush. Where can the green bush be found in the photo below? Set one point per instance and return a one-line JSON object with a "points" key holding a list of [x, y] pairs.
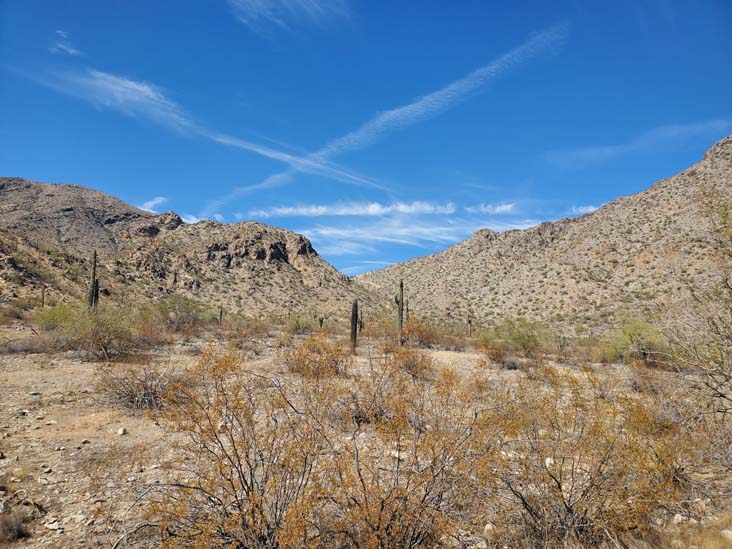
{"points": [[180, 314], [56, 317], [299, 325], [103, 332], [636, 339], [517, 336]]}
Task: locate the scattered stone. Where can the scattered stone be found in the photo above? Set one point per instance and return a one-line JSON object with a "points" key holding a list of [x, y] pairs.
{"points": [[726, 534], [122, 431], [51, 422], [47, 470], [396, 454], [53, 525], [35, 393], [23, 412], [86, 441], [678, 519], [2, 455]]}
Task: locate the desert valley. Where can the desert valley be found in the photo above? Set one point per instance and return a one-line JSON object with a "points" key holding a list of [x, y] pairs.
{"points": [[546, 386], [338, 274]]}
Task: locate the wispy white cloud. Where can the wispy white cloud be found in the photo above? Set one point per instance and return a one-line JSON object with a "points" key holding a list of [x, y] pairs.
{"points": [[61, 43], [141, 99], [502, 208], [439, 101], [419, 110], [355, 209], [188, 218], [153, 203], [131, 97], [262, 16], [649, 141], [404, 230], [581, 210]]}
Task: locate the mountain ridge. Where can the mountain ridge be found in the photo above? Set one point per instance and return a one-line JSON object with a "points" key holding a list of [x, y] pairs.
{"points": [[632, 255]]}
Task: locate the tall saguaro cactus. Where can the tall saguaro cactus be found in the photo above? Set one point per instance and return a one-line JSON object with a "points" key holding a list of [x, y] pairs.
{"points": [[399, 299], [354, 325], [92, 296]]}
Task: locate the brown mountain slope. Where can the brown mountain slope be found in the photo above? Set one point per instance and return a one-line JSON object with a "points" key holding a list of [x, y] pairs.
{"points": [[70, 217], [635, 253], [48, 232]]}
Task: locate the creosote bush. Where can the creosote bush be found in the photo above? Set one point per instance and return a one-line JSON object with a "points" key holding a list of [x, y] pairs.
{"points": [[179, 314], [298, 324], [318, 356], [386, 458], [516, 336], [104, 332], [414, 362], [636, 340]]}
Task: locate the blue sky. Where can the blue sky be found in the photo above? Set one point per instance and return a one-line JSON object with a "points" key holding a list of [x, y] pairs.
{"points": [[381, 130]]}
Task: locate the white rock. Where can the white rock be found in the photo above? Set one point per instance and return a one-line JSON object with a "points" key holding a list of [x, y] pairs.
{"points": [[726, 534], [122, 431], [548, 462], [678, 519], [489, 531]]}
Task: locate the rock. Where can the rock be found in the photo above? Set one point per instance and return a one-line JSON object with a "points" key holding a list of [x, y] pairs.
{"points": [[51, 422], [726, 534], [489, 532], [396, 454], [86, 441], [2, 456], [122, 431], [35, 393], [47, 470], [678, 519], [53, 525]]}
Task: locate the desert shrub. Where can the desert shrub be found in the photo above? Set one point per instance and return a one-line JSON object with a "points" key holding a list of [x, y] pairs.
{"points": [[13, 526], [414, 362], [383, 332], [297, 324], [103, 332], [515, 336], [134, 386], [16, 309], [318, 356], [419, 333], [249, 461], [180, 314], [56, 317], [582, 470], [42, 343], [636, 339]]}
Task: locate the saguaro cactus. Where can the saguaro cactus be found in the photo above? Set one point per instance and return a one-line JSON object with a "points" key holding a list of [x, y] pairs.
{"points": [[92, 296], [354, 325], [399, 299]]}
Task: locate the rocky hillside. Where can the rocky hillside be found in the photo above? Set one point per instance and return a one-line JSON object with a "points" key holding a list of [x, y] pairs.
{"points": [[636, 253], [48, 232]]}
